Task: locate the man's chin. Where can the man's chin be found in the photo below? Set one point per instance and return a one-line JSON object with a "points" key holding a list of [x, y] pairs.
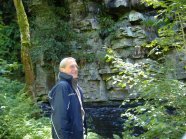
{"points": [[75, 77]]}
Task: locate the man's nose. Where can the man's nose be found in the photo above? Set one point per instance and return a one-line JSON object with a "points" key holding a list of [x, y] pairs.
{"points": [[76, 68]]}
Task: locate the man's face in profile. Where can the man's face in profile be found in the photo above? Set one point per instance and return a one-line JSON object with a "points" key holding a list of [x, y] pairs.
{"points": [[71, 68]]}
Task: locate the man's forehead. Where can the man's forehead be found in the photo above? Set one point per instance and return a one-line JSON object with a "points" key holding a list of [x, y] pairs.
{"points": [[71, 62]]}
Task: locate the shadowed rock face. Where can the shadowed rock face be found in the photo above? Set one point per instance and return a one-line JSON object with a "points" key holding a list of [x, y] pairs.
{"points": [[116, 24], [105, 121]]}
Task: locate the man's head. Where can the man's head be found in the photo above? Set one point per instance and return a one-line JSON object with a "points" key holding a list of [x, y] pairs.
{"points": [[69, 66]]}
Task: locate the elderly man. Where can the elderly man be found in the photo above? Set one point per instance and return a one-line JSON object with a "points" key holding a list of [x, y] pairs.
{"points": [[68, 115]]}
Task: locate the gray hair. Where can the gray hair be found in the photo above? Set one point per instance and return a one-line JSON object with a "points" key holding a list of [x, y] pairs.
{"points": [[64, 61]]}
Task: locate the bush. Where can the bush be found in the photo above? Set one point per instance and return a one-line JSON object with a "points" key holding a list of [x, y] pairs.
{"points": [[163, 110], [19, 117]]}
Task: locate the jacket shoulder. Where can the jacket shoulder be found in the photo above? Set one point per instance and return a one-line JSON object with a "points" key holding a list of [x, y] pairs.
{"points": [[63, 83], [60, 86]]}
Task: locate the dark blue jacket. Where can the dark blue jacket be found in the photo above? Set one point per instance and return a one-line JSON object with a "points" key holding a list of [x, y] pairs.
{"points": [[66, 110]]}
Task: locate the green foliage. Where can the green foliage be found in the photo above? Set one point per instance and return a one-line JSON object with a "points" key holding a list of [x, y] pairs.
{"points": [[106, 25], [106, 21], [9, 41], [163, 113], [83, 57], [19, 117], [148, 22], [58, 42], [151, 23], [92, 135], [53, 43], [6, 68], [10, 47], [171, 16]]}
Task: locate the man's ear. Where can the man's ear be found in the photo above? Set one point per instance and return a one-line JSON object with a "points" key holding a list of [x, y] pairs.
{"points": [[61, 69]]}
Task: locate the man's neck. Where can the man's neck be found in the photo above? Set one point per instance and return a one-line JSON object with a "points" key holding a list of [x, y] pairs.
{"points": [[74, 83]]}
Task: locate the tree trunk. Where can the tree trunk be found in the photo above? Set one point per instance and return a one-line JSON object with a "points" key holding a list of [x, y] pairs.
{"points": [[25, 46]]}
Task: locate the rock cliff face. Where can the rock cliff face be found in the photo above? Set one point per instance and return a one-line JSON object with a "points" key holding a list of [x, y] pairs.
{"points": [[121, 28]]}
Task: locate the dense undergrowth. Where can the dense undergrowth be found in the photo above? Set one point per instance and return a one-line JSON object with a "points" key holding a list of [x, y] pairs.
{"points": [[19, 116]]}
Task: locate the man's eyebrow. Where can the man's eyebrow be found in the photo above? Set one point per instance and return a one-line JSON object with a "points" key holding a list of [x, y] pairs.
{"points": [[74, 65]]}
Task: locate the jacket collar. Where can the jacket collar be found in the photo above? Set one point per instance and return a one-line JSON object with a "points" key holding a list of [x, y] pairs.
{"points": [[64, 76], [68, 78]]}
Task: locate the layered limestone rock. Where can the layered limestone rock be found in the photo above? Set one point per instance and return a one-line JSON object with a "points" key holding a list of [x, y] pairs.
{"points": [[125, 38], [125, 35]]}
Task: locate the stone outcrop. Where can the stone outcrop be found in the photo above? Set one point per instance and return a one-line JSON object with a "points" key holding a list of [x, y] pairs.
{"points": [[126, 36]]}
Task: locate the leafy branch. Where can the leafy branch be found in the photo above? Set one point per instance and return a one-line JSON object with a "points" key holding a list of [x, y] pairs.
{"points": [[163, 98], [171, 33]]}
